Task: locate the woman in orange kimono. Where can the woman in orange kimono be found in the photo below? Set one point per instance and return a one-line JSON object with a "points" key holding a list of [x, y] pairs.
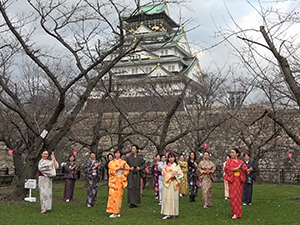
{"points": [[235, 173], [118, 172]]}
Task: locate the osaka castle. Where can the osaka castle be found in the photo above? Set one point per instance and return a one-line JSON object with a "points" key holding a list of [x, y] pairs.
{"points": [[161, 64]]}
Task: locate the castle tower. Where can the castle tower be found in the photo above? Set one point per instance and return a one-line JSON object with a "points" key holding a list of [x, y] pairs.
{"points": [[162, 61]]}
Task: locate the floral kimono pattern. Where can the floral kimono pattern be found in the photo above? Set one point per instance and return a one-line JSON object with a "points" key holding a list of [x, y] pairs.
{"points": [[184, 168], [170, 201], [235, 180], [93, 177], [206, 171], [46, 173], [117, 183]]}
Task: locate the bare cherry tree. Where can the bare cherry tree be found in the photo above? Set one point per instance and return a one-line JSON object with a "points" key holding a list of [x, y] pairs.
{"points": [[66, 44]]}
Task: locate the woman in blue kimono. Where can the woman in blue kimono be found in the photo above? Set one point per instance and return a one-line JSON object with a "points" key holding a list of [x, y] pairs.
{"points": [[93, 172], [250, 178]]}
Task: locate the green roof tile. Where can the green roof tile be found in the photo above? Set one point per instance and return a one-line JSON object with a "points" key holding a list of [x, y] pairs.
{"points": [[150, 9]]}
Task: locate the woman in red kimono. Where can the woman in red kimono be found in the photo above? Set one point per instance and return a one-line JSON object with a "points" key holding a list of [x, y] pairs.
{"points": [[235, 174]]}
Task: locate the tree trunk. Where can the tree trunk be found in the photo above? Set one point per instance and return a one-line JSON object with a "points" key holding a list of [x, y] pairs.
{"points": [[29, 171]]}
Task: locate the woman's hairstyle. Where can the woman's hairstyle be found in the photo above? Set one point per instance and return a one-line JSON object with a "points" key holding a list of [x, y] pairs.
{"points": [[237, 151], [162, 155], [195, 157], [109, 155], [246, 153], [157, 155], [71, 156], [118, 150], [172, 154]]}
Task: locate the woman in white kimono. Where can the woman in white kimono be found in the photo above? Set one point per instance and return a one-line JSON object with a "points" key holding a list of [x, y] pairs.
{"points": [[47, 170], [160, 167], [172, 176]]}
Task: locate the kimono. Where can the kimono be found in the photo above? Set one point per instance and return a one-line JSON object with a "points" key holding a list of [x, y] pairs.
{"points": [[134, 178], [144, 179], [170, 201], [226, 187], [117, 183], [107, 172], [160, 167], [92, 177], [184, 168], [206, 177], [70, 178], [192, 178], [235, 180], [248, 184], [155, 174], [47, 171]]}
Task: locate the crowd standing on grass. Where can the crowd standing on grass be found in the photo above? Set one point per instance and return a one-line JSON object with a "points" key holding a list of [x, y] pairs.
{"points": [[169, 180]]}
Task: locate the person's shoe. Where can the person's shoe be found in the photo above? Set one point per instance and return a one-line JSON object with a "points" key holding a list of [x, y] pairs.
{"points": [[156, 197], [68, 200], [244, 204], [118, 215], [234, 217], [193, 199], [113, 215], [173, 217], [166, 217], [133, 206], [250, 203], [160, 203], [205, 207], [43, 211], [88, 205], [226, 198], [180, 195]]}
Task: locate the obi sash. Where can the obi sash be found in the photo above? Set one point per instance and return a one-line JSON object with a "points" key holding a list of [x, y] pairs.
{"points": [[237, 174]]}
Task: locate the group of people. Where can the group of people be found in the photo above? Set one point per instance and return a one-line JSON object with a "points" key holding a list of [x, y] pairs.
{"points": [[170, 180]]}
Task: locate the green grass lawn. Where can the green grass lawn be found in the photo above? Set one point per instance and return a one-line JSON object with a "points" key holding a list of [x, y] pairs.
{"points": [[272, 204]]}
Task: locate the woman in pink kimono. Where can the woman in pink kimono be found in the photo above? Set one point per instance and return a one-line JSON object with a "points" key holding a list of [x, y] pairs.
{"points": [[226, 186], [172, 175], [46, 173]]}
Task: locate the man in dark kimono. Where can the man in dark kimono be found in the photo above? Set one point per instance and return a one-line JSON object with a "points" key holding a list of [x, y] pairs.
{"points": [[137, 171]]}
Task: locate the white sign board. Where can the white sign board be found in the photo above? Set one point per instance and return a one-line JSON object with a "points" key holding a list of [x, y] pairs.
{"points": [[30, 183]]}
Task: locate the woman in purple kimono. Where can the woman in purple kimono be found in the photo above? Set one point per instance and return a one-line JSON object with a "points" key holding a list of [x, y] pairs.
{"points": [[155, 176], [71, 174], [93, 173], [250, 178]]}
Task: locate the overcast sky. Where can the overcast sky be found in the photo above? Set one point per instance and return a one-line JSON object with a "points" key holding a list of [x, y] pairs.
{"points": [[210, 15], [207, 16]]}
